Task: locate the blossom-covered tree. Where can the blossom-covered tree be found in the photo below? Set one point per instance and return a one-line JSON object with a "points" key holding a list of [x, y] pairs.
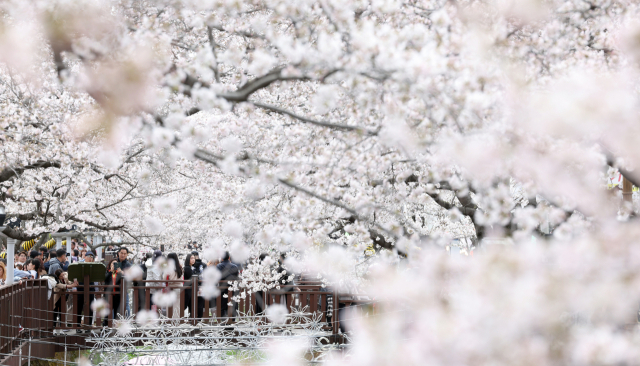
{"points": [[356, 136]]}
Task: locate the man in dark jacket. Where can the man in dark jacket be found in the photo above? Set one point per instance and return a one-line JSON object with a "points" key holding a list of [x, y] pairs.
{"points": [[229, 272], [123, 264], [58, 262], [123, 252], [141, 294]]}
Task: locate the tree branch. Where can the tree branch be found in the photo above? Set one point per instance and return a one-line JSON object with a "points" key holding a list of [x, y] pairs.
{"points": [[9, 172], [338, 126], [242, 94], [96, 225]]}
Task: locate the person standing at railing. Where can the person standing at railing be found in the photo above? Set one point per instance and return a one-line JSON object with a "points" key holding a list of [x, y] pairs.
{"points": [[44, 252], [189, 261], [58, 262], [22, 257], [191, 268], [62, 285], [30, 267], [39, 268], [124, 264], [50, 256], [198, 266], [113, 278], [175, 274], [141, 292], [35, 254], [230, 272], [154, 273], [83, 255], [74, 256]]}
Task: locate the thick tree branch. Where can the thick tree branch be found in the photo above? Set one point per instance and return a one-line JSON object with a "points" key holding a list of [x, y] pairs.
{"points": [[242, 94], [17, 234], [338, 126], [10, 172], [96, 225], [245, 91]]}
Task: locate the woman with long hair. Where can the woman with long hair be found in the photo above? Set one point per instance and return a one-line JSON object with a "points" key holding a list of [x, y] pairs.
{"points": [[30, 267], [173, 274], [188, 292], [189, 262], [62, 284], [39, 268]]}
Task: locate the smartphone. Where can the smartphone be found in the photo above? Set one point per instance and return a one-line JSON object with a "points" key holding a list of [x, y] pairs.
{"points": [[116, 266]]}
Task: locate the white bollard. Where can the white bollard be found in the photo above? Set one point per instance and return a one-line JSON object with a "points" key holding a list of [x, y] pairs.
{"points": [[11, 244], [98, 241]]}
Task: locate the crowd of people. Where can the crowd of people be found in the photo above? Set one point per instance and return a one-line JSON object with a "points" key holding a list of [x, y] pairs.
{"points": [[54, 265]]}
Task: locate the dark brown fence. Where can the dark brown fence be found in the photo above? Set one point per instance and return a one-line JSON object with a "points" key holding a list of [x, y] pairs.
{"points": [[23, 308], [30, 298]]}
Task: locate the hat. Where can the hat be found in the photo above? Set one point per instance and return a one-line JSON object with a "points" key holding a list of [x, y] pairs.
{"points": [[89, 253], [157, 253]]}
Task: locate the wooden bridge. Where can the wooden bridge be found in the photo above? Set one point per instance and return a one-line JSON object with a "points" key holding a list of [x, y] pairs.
{"points": [[28, 329]]}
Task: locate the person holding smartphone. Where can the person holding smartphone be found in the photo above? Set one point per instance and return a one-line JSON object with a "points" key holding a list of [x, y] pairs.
{"points": [[62, 285], [121, 265], [113, 278]]}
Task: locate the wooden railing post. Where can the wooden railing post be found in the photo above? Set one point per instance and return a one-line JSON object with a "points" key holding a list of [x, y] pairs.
{"points": [[194, 300], [336, 325], [87, 305], [123, 298]]}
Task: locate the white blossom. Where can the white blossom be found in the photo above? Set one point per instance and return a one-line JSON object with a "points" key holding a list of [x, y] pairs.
{"points": [[146, 318], [133, 273], [165, 299], [100, 307], [277, 313]]}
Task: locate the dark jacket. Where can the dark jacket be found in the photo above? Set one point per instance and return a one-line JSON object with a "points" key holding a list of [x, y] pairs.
{"points": [[115, 298], [188, 273], [124, 264], [198, 267], [54, 264], [229, 272], [108, 280]]}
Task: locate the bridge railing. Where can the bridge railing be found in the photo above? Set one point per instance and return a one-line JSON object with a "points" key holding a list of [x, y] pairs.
{"points": [[23, 306], [27, 306]]}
